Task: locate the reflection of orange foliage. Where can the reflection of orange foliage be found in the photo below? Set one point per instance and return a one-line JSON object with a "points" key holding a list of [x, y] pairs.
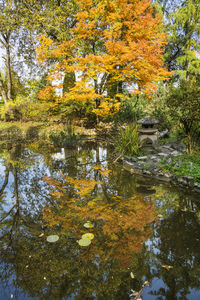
{"points": [[121, 224]]}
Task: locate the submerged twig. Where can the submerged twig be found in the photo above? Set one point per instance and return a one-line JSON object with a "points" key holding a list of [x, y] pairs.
{"points": [[7, 213]]}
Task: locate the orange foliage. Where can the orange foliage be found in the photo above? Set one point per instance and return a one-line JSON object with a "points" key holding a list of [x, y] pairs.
{"points": [[120, 39], [47, 93]]}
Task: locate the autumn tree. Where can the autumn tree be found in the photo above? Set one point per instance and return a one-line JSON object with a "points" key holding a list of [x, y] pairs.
{"points": [[113, 42]]}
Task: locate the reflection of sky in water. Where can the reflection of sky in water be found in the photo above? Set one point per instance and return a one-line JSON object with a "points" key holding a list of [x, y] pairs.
{"points": [[34, 195]]}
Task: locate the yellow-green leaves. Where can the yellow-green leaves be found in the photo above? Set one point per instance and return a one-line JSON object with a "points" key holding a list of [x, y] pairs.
{"points": [[52, 238]]}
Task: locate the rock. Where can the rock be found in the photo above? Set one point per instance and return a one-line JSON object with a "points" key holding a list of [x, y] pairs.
{"points": [[160, 173], [151, 167], [168, 175], [169, 160], [164, 155], [181, 147], [140, 164], [146, 172], [164, 134], [153, 157], [142, 157], [196, 184], [175, 153], [182, 181], [133, 159], [189, 179]]}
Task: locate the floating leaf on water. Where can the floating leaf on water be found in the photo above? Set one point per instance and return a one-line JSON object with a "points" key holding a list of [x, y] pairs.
{"points": [[52, 238], [84, 242], [167, 267], [132, 275], [89, 236], [88, 225], [145, 283]]}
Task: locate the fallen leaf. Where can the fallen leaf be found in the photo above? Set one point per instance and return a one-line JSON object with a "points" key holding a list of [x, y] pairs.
{"points": [[88, 225], [89, 236], [52, 238], [84, 242], [132, 275], [167, 267]]}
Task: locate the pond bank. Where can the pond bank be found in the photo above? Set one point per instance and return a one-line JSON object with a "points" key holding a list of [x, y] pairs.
{"points": [[164, 166]]}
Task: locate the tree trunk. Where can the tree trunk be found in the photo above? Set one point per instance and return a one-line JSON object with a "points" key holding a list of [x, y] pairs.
{"points": [[8, 67], [2, 90]]}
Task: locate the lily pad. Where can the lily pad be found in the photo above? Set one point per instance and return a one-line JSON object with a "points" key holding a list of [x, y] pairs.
{"points": [[88, 225], [88, 236], [52, 238], [84, 242]]}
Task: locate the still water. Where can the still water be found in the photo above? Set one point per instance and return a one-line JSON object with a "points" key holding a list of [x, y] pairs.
{"points": [[144, 235]]}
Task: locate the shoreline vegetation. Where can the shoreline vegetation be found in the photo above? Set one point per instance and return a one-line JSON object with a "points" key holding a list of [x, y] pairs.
{"points": [[174, 167]]}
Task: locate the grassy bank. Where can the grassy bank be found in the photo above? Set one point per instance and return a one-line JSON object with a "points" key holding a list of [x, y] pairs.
{"points": [[183, 165], [53, 132]]}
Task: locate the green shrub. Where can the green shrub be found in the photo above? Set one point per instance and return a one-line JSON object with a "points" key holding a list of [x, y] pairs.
{"points": [[184, 107], [127, 141], [131, 108], [24, 109]]}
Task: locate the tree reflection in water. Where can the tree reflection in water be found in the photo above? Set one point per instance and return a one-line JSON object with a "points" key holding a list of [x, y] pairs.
{"points": [[128, 236]]}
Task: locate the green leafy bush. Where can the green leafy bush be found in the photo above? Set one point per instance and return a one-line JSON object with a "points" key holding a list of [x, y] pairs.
{"points": [[184, 107], [24, 109], [127, 141]]}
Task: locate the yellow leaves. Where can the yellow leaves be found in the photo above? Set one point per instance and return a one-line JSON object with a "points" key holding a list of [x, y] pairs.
{"points": [[46, 45], [102, 170], [81, 93], [107, 108]]}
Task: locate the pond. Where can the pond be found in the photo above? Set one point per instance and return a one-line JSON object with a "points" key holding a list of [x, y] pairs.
{"points": [[141, 235]]}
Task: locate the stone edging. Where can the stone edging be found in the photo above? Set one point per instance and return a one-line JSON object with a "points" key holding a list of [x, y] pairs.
{"points": [[149, 166]]}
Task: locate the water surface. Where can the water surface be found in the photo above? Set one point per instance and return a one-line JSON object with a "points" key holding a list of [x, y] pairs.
{"points": [[146, 234]]}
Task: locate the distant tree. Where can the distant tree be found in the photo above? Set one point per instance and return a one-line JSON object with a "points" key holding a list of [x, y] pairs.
{"points": [[184, 104], [182, 24]]}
